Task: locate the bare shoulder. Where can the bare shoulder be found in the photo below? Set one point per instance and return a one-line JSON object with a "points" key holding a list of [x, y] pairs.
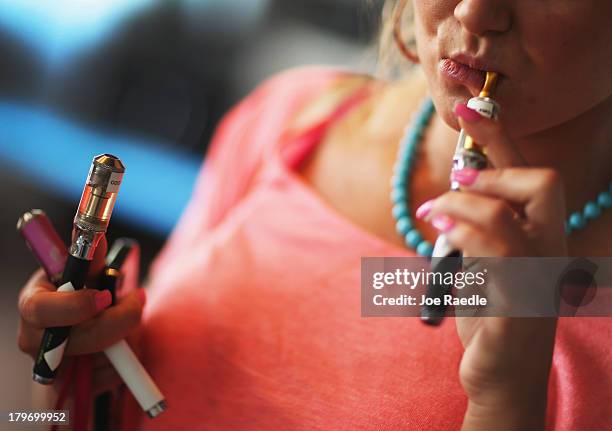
{"points": [[355, 157]]}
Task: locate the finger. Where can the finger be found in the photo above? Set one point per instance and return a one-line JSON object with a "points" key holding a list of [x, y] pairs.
{"points": [[38, 280], [475, 242], [485, 213], [538, 190], [107, 328], [45, 309], [28, 338], [501, 150]]}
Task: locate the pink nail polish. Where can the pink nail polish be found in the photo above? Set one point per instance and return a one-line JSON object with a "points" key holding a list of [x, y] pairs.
{"points": [[103, 299], [465, 176], [467, 114], [142, 296], [443, 223], [424, 209]]}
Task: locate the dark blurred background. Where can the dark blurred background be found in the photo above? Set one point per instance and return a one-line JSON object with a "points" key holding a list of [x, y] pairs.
{"points": [[147, 80]]}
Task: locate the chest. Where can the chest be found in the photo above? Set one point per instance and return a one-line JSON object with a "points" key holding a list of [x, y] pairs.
{"points": [[354, 179]]}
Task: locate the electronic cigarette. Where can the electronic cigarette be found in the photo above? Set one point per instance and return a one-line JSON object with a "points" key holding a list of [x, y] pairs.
{"points": [[121, 270], [44, 242], [90, 224], [468, 154], [123, 262]]}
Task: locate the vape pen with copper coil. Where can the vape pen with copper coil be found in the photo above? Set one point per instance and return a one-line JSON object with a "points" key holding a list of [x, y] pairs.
{"points": [[468, 154], [90, 224]]}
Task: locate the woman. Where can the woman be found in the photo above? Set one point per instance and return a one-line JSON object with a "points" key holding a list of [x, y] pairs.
{"points": [[253, 313]]}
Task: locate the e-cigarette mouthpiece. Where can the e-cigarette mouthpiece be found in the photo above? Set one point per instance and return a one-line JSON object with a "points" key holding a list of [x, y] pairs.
{"points": [[490, 81]]}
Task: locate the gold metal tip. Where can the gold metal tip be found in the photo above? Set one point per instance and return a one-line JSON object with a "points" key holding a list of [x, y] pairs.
{"points": [[110, 161], [112, 272], [469, 144], [489, 84]]}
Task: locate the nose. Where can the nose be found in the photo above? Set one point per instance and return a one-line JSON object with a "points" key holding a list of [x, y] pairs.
{"points": [[481, 17]]}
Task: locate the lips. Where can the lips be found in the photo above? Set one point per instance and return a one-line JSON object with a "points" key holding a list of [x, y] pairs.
{"points": [[462, 73]]}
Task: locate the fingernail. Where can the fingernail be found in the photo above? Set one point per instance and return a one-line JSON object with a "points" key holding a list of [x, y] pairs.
{"points": [[424, 209], [467, 114], [443, 222], [142, 296], [103, 299], [465, 176]]}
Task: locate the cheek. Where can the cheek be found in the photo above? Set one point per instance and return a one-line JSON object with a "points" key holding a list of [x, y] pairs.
{"points": [[568, 67], [434, 20], [429, 16]]}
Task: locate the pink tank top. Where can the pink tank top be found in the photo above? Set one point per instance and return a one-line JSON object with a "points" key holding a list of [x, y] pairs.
{"points": [[253, 315]]}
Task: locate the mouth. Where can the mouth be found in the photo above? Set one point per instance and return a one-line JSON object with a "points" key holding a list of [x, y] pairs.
{"points": [[467, 71]]}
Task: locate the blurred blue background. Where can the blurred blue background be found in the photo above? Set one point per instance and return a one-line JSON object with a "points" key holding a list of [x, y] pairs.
{"points": [[147, 80]]}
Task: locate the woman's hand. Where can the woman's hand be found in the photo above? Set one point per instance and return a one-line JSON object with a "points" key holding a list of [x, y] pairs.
{"points": [[95, 326], [511, 210]]}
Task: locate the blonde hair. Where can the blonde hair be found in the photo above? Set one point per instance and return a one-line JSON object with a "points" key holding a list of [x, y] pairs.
{"points": [[390, 62]]}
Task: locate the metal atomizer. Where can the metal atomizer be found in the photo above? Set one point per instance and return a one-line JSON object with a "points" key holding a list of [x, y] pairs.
{"points": [[96, 206], [90, 224], [468, 154]]}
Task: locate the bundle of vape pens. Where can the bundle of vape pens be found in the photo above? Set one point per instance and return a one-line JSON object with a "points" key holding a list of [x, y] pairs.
{"points": [[67, 269]]}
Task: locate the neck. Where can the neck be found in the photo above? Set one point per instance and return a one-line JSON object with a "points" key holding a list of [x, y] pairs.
{"points": [[580, 150]]}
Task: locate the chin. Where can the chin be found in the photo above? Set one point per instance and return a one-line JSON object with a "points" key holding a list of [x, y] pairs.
{"points": [[445, 103]]}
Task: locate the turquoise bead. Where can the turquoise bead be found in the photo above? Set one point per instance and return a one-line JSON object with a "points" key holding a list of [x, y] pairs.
{"points": [[414, 136], [400, 210], [401, 170], [576, 221], [591, 210], [398, 195], [413, 238], [422, 122], [396, 182], [425, 249], [402, 154], [605, 199], [403, 226], [407, 159]]}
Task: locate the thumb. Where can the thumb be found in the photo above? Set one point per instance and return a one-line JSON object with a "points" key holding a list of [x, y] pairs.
{"points": [[490, 134]]}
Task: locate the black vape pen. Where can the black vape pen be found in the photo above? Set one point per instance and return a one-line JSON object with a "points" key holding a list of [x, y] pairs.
{"points": [[90, 224]]}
